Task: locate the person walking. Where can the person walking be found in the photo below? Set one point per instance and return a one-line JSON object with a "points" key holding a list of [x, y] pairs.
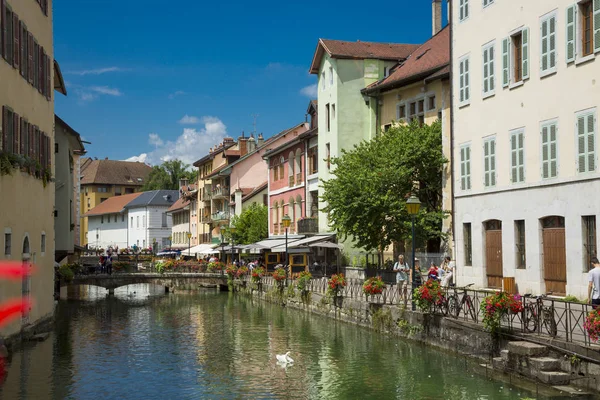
{"points": [[418, 278], [594, 284], [401, 268]]}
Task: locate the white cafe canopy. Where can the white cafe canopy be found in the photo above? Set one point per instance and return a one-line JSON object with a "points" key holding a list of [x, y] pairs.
{"points": [[201, 248], [300, 243]]}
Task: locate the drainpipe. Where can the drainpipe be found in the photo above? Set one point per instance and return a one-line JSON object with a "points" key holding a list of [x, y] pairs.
{"points": [[453, 213]]}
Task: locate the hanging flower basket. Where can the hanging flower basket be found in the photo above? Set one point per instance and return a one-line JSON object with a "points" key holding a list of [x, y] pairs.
{"points": [[428, 294], [498, 305], [336, 284], [373, 286], [592, 325]]}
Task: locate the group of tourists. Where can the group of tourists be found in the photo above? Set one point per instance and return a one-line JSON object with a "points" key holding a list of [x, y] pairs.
{"points": [[442, 273]]}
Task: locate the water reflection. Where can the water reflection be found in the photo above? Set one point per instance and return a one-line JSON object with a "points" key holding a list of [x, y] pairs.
{"points": [[216, 345]]}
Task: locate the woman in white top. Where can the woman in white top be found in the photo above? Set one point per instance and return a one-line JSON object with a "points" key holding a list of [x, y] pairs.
{"points": [[449, 271]]}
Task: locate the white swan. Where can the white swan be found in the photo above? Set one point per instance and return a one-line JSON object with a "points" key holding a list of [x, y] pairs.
{"points": [[284, 358]]}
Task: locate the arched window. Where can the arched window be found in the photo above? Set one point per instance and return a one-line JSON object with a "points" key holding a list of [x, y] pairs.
{"points": [[298, 212], [275, 170], [281, 164], [275, 217], [291, 209], [291, 168], [298, 167]]}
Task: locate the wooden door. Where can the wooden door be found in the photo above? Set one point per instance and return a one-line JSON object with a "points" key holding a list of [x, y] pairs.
{"points": [[493, 258], [555, 260]]}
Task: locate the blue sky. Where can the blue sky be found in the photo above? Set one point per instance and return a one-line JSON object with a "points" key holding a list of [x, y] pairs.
{"points": [[170, 79]]}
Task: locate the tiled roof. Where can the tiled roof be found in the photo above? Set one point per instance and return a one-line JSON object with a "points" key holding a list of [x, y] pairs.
{"points": [[113, 172], [229, 153], [216, 171], [180, 204], [112, 205], [252, 192], [425, 61], [360, 50], [155, 198], [212, 154]]}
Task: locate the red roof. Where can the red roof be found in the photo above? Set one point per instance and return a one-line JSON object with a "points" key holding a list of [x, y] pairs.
{"points": [[360, 50], [426, 61], [180, 204], [112, 205]]}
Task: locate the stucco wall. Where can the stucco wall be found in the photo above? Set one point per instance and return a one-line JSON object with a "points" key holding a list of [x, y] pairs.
{"points": [[108, 233], [27, 205], [65, 192], [144, 235], [560, 96]]}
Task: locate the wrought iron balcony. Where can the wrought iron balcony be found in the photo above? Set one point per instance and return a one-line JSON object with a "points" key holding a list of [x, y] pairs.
{"points": [[220, 192], [220, 216], [308, 225]]}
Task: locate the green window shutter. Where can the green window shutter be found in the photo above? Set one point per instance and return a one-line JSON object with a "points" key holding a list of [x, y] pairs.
{"points": [[466, 6], [492, 162], [521, 157], [581, 144], [552, 42], [467, 94], [486, 163], [491, 67], [553, 152], [570, 33], [591, 145], [463, 172], [525, 52], [461, 14], [468, 167], [486, 88], [545, 152], [505, 62], [596, 26], [544, 50], [461, 86], [513, 157]]}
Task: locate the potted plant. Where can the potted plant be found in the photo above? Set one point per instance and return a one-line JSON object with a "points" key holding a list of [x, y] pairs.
{"points": [[280, 275], [373, 286], [496, 306], [428, 294], [592, 325], [335, 285]]}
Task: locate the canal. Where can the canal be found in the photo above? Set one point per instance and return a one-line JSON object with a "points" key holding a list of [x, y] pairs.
{"points": [[212, 345]]}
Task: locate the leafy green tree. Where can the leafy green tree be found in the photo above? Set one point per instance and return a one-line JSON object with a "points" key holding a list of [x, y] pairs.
{"points": [[366, 199], [252, 225], [167, 175]]}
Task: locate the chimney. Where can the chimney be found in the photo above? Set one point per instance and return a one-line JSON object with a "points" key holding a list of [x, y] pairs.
{"points": [[243, 145], [260, 141], [227, 140], [251, 143], [436, 16], [183, 182]]}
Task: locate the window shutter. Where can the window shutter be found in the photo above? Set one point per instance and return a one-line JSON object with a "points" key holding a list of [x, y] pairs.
{"points": [[15, 134], [48, 78], [570, 34], [461, 86], [552, 42], [581, 144], [513, 158], [545, 152], [553, 153], [2, 29], [16, 46], [30, 57], [544, 50], [22, 42], [596, 26], [486, 163], [468, 167], [467, 94], [486, 88], [591, 145], [22, 135], [521, 158], [505, 62], [493, 162], [525, 52], [40, 71], [31, 147], [466, 5], [463, 172]]}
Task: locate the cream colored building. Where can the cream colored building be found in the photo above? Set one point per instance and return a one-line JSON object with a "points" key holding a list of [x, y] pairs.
{"points": [[27, 156], [525, 109]]}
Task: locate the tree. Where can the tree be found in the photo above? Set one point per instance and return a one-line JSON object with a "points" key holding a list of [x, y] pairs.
{"points": [[167, 175], [252, 225], [366, 199]]}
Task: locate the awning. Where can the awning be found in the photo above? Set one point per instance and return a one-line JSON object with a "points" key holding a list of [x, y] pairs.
{"points": [[327, 245], [300, 243], [201, 248], [270, 244]]}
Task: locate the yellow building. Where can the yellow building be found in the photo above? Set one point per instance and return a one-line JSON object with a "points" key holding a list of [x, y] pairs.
{"points": [[102, 179], [419, 89], [26, 154]]}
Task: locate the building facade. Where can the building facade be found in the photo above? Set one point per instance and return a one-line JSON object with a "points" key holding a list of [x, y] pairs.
{"points": [[525, 142], [26, 159], [103, 179], [108, 223], [149, 222], [68, 148]]}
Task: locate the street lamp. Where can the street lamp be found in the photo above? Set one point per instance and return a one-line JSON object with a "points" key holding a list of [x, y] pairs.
{"points": [[287, 221], [189, 235], [232, 230], [412, 206]]}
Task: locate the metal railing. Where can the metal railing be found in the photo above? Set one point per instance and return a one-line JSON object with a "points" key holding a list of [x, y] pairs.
{"points": [[220, 216], [308, 225], [218, 192]]}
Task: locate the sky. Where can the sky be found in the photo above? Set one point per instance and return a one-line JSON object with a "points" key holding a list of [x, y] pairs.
{"points": [[150, 80]]}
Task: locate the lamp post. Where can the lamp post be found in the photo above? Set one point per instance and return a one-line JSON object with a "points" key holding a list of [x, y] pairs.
{"points": [[287, 221], [189, 235], [232, 230], [412, 206]]}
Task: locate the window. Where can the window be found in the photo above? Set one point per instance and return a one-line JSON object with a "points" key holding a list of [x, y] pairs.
{"points": [[275, 171], [333, 111], [102, 189], [515, 58], [7, 34], [583, 34], [468, 244], [489, 70], [108, 219], [102, 219], [487, 2], [132, 222], [103, 199], [548, 45], [463, 10], [589, 240], [291, 168], [128, 190], [7, 243], [281, 167], [517, 160], [328, 159], [88, 203], [43, 244], [465, 168], [586, 141], [164, 220], [520, 243], [587, 40], [122, 217], [143, 221], [323, 82], [327, 117], [417, 110], [331, 76], [549, 150], [489, 162], [431, 103], [137, 221], [463, 78], [400, 111], [387, 127], [313, 160]]}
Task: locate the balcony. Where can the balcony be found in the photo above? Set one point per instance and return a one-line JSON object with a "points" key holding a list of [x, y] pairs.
{"points": [[291, 180], [220, 216], [308, 225], [206, 194], [299, 178], [206, 219], [220, 193]]}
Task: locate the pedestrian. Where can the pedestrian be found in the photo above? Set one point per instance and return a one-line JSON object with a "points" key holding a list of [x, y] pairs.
{"points": [[102, 264], [432, 274], [594, 284], [108, 264], [418, 279], [401, 269], [449, 267]]}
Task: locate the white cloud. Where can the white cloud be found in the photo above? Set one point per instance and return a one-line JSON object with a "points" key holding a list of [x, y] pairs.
{"points": [[97, 71], [106, 90], [310, 91], [189, 120], [190, 146], [175, 94]]}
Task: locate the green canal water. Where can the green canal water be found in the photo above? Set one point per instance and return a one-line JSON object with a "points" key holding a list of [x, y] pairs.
{"points": [[212, 345]]}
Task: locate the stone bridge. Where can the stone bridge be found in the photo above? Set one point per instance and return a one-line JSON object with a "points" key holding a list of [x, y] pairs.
{"points": [[174, 280]]}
